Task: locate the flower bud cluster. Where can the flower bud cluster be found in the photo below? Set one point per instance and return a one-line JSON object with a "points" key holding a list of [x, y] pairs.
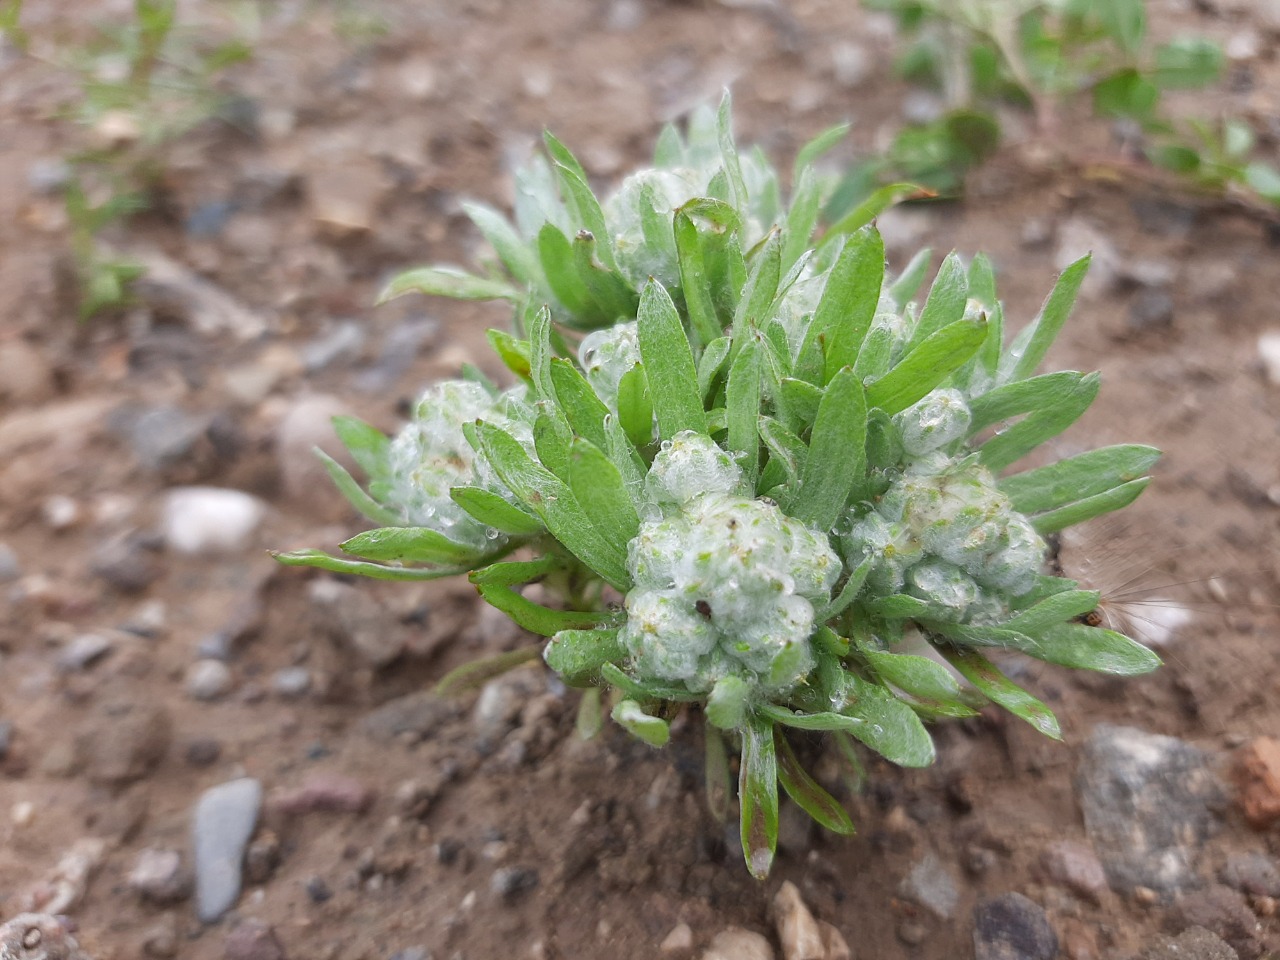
{"points": [[724, 584], [606, 356], [431, 454], [944, 532]]}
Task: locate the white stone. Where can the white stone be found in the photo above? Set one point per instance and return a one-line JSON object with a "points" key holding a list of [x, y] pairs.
{"points": [[1269, 351], [738, 944], [798, 931], [206, 520], [208, 679]]}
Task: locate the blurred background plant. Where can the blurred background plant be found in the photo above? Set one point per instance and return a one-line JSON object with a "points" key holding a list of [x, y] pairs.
{"points": [[142, 85], [1053, 58]]}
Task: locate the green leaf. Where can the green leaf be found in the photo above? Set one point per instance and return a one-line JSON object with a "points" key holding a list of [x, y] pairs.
{"points": [[728, 701], [1264, 179], [582, 408], [1078, 478], [845, 310], [668, 363], [1175, 157], [1089, 507], [806, 792], [802, 218], [877, 718], [554, 502], [511, 248], [355, 495], [870, 208], [816, 147], [360, 568], [496, 584], [1125, 21], [493, 510], [758, 796], [1125, 93], [1054, 609], [999, 689], [1022, 396], [669, 150], [837, 453], [1015, 442], [578, 655], [552, 436], [742, 409], [367, 445], [558, 263], [797, 402], [945, 304], [644, 690], [474, 674], [409, 545], [907, 285], [848, 593], [927, 365], [1187, 63], [1032, 344], [758, 294], [712, 366], [512, 352], [785, 447], [729, 153], [652, 730], [717, 775], [585, 209], [918, 676], [623, 454], [635, 406], [451, 282], [703, 321], [1093, 648], [540, 355], [598, 487], [614, 295]]}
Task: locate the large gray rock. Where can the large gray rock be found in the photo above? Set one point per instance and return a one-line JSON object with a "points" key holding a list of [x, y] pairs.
{"points": [[1149, 803], [224, 820]]}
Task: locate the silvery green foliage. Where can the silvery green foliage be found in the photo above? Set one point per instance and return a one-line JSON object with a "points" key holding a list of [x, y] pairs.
{"points": [[765, 464]]}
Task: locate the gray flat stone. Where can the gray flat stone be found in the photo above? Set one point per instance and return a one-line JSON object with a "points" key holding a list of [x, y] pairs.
{"points": [[224, 820], [1149, 805]]}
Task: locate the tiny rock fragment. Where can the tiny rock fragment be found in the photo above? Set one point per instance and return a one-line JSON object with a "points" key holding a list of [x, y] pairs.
{"points": [[158, 876], [1269, 354], [678, 942], [38, 936], [798, 931], [322, 792], [169, 287], [210, 520], [1258, 777], [738, 944], [833, 940], [252, 940], [63, 888], [1011, 927], [1076, 867]]}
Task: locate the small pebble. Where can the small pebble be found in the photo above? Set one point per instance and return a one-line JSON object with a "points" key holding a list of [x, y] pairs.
{"points": [[912, 932], [60, 512], [318, 890], [158, 876], [83, 651], [738, 944], [23, 813], [223, 822], [10, 569], [1269, 353], [291, 682], [678, 942], [202, 751], [1011, 927], [798, 931], [252, 940], [1252, 873], [210, 520], [510, 882], [208, 680], [161, 941]]}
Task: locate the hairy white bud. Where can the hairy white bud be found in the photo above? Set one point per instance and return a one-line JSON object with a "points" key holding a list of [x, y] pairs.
{"points": [[607, 355]]}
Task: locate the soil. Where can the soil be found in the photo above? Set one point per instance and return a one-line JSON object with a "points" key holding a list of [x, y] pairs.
{"points": [[362, 128]]}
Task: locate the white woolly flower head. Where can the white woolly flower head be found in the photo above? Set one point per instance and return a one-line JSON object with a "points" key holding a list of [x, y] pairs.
{"points": [[725, 584], [607, 355], [431, 454], [689, 465]]}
